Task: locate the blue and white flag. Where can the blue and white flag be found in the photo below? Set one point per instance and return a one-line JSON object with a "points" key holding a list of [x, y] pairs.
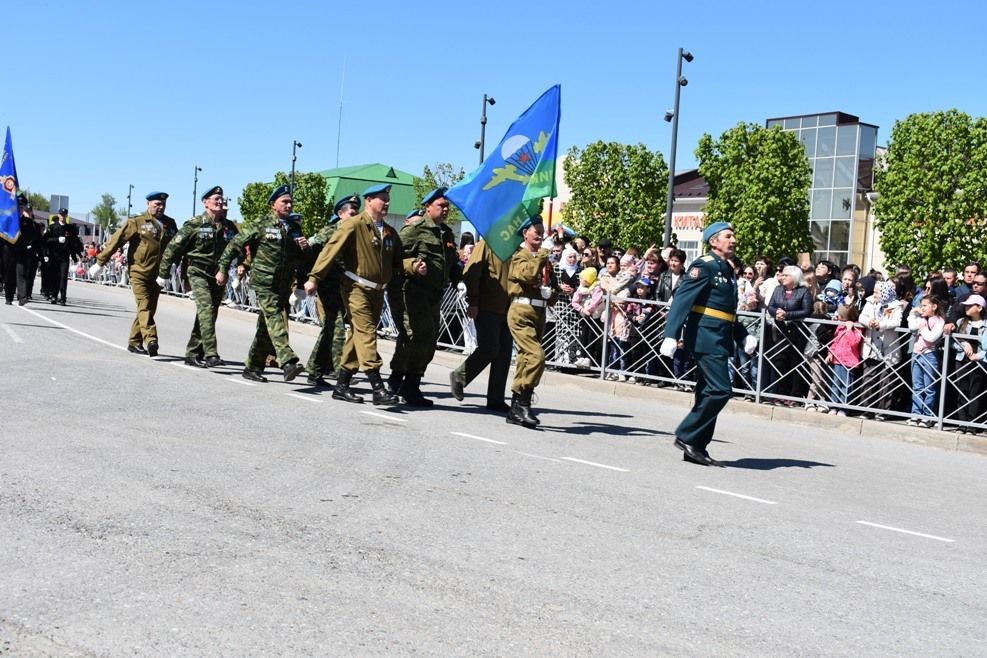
{"points": [[9, 215]]}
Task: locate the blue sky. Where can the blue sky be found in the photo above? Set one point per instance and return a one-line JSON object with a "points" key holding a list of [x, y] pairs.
{"points": [[104, 94]]}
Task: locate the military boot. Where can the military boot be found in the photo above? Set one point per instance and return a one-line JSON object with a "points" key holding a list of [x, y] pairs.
{"points": [[381, 395], [342, 390], [411, 392], [394, 382], [524, 407], [514, 416]]}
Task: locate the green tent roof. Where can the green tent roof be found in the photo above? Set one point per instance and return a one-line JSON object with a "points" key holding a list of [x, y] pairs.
{"points": [[344, 181]]}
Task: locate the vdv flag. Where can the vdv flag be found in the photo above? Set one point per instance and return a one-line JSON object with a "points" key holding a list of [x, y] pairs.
{"points": [[510, 184], [9, 219]]}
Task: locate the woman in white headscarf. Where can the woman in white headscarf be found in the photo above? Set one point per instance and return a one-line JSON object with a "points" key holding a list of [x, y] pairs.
{"points": [[882, 350]]}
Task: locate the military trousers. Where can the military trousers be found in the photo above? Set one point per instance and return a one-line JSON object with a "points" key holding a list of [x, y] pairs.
{"points": [[494, 345], [146, 292], [15, 266], [271, 336], [712, 394], [58, 278], [360, 349], [207, 295], [421, 330], [527, 324], [328, 348]]}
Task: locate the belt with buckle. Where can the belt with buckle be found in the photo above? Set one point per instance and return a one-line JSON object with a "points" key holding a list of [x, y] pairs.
{"points": [[366, 283], [714, 313], [531, 302]]}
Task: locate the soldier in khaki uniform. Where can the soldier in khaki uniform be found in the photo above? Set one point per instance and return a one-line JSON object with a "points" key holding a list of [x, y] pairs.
{"points": [[328, 348], [276, 247], [147, 236], [202, 240], [427, 240], [532, 288], [371, 254], [487, 302]]}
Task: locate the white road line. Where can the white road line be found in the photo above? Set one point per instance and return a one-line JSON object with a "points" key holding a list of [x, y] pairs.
{"points": [[73, 330], [737, 495], [583, 461], [13, 334], [907, 532], [307, 398], [478, 438], [549, 459], [238, 381], [385, 416]]}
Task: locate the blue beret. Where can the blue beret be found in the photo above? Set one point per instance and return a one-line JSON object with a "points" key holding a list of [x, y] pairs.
{"points": [[376, 189], [354, 199], [413, 214], [531, 221], [156, 196], [715, 228], [212, 190], [278, 192], [295, 216], [334, 219], [434, 194]]}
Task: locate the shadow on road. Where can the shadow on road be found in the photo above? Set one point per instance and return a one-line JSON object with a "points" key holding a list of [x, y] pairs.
{"points": [[756, 464]]}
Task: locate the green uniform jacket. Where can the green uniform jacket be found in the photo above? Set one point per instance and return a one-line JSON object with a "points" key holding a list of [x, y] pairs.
{"points": [[486, 279], [424, 240], [705, 304], [363, 250], [202, 239], [147, 237], [528, 274], [274, 252]]}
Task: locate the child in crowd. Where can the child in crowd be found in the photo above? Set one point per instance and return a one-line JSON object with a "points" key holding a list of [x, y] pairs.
{"points": [[926, 322], [971, 373], [816, 351], [588, 302], [844, 355]]}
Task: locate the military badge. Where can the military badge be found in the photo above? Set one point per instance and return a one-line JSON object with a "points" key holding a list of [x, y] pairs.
{"points": [[694, 273]]}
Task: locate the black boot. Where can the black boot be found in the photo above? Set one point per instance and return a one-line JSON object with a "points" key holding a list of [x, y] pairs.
{"points": [[514, 416], [395, 381], [411, 392], [342, 390], [381, 395], [524, 405]]}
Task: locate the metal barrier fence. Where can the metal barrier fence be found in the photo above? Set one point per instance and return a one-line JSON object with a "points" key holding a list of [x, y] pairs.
{"points": [[791, 367]]}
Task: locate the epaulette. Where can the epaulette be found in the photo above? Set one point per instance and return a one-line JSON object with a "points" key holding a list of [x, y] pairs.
{"points": [[707, 258]]}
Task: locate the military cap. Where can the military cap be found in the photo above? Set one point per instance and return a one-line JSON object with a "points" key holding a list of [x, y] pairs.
{"points": [[212, 190], [353, 198], [528, 223], [715, 228], [383, 188], [22, 199], [63, 211], [413, 214], [434, 194], [279, 191], [157, 196], [334, 219]]}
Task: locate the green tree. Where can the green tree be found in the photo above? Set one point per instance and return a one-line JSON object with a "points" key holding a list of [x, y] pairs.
{"points": [[618, 192], [933, 192], [106, 214], [444, 175], [39, 201], [758, 181], [309, 199]]}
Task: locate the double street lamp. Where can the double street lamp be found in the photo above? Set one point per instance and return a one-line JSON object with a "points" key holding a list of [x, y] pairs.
{"points": [[295, 145], [673, 116], [195, 188], [129, 192], [483, 125]]}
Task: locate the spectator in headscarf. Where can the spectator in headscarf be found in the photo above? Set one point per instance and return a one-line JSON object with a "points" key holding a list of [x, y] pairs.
{"points": [[882, 348]]}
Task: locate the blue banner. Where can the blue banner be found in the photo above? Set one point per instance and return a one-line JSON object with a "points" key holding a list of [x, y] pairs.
{"points": [[511, 183], [9, 219]]}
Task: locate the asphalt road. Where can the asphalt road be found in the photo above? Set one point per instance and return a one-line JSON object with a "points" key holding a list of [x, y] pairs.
{"points": [[148, 508]]}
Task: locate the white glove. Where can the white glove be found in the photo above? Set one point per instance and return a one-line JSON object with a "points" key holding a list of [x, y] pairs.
{"points": [[162, 282], [668, 347], [46, 259], [750, 344], [95, 269], [61, 240], [461, 289]]}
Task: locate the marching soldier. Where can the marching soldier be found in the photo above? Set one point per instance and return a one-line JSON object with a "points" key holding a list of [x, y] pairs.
{"points": [[704, 312], [395, 305], [427, 240], [18, 256], [327, 351], [486, 280], [276, 248], [62, 243], [147, 235], [202, 240], [371, 254], [532, 288]]}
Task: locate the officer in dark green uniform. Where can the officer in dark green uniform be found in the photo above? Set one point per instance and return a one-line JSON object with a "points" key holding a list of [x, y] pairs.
{"points": [[328, 346], [395, 306], [704, 311], [202, 240], [276, 247], [427, 240]]}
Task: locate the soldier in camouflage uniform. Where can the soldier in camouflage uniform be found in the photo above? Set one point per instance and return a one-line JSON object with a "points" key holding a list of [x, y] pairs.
{"points": [[202, 240], [147, 236], [427, 240], [276, 247]]}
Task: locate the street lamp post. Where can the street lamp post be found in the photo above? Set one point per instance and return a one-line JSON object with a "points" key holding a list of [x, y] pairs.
{"points": [[295, 145], [673, 116], [195, 188], [483, 125], [129, 192]]}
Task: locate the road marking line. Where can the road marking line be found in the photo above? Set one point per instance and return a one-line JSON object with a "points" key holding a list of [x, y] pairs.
{"points": [[907, 532], [737, 495], [583, 461], [13, 334], [307, 398], [478, 438], [72, 329], [238, 381], [385, 416], [528, 454]]}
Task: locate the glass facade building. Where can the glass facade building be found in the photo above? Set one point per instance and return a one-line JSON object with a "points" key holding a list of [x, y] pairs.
{"points": [[841, 152]]}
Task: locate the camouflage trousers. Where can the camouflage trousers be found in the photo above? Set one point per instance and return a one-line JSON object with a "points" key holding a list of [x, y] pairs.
{"points": [[272, 330], [527, 325], [207, 295], [328, 349], [146, 293], [416, 343]]}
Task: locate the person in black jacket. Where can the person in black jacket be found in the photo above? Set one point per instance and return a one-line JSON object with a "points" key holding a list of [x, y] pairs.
{"points": [[790, 303], [20, 256], [61, 244]]}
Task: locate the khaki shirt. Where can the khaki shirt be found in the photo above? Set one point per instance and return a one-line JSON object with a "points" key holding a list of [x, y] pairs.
{"points": [[486, 280], [364, 251], [147, 238], [529, 272]]}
